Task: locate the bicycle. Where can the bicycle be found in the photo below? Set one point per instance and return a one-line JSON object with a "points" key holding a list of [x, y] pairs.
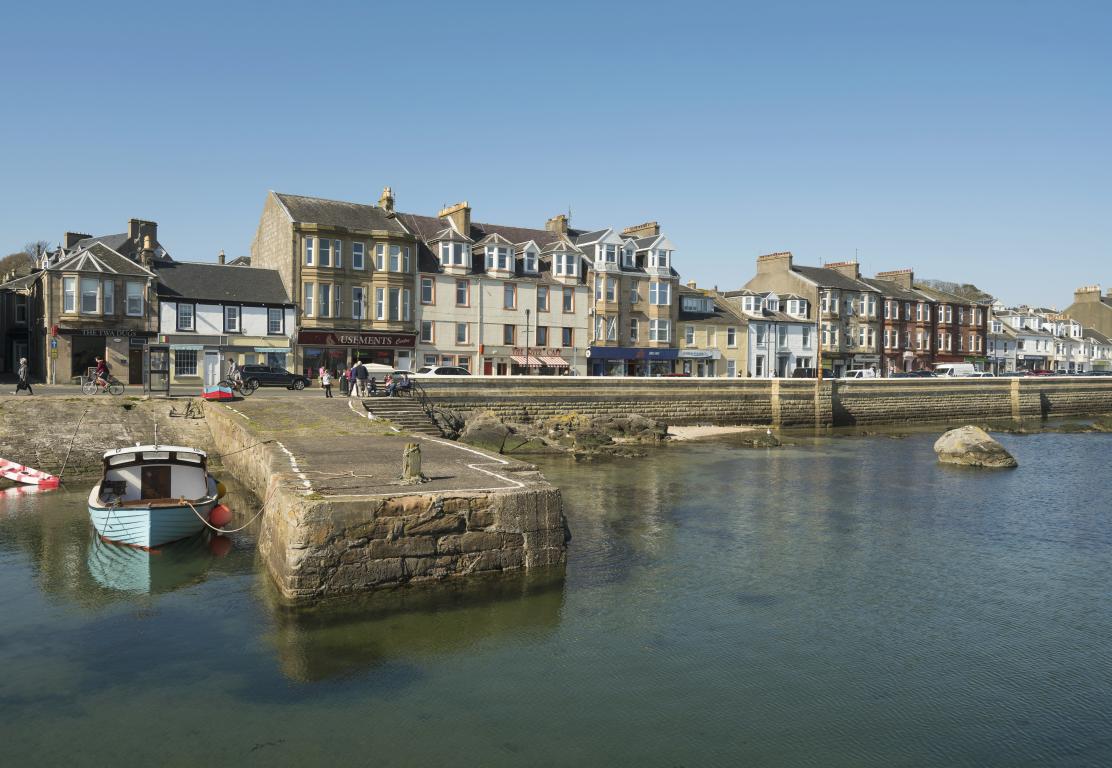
{"points": [[90, 386], [245, 388]]}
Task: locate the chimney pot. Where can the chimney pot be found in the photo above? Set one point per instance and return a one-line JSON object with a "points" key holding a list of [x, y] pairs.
{"points": [[220, 256]]}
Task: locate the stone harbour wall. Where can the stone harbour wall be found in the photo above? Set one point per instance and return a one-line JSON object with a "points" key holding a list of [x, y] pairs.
{"points": [[320, 547], [778, 402], [41, 431]]}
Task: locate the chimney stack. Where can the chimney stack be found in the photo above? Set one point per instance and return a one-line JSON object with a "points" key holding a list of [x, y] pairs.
{"points": [[637, 231], [220, 256], [691, 284], [70, 239], [905, 278], [138, 229], [386, 202], [847, 268], [460, 216], [1087, 293], [557, 224], [775, 262]]}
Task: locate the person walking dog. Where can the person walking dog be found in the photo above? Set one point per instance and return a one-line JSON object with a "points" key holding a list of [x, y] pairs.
{"points": [[24, 377]]}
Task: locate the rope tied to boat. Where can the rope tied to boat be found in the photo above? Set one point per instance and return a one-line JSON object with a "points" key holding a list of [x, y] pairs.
{"points": [[74, 437], [232, 530]]}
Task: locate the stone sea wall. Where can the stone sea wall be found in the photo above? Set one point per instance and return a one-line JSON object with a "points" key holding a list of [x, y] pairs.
{"points": [[41, 431], [319, 547], [786, 403]]}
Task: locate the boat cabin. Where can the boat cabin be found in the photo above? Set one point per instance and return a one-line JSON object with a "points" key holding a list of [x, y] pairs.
{"points": [[151, 473]]}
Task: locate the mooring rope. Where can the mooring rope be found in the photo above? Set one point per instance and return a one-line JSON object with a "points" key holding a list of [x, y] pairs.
{"points": [[233, 530], [241, 450], [70, 449]]}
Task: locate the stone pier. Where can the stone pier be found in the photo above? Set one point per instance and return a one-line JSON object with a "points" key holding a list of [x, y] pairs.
{"points": [[339, 520]]}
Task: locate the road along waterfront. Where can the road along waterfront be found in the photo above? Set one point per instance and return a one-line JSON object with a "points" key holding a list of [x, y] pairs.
{"points": [[837, 602]]}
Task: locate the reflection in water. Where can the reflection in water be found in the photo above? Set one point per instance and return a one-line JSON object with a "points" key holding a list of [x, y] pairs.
{"points": [[341, 637], [140, 571]]}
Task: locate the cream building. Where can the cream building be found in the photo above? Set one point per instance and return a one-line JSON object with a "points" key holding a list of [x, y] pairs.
{"points": [[497, 299], [712, 335]]}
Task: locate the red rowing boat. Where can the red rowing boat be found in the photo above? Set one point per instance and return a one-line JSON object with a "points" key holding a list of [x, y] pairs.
{"points": [[29, 475]]}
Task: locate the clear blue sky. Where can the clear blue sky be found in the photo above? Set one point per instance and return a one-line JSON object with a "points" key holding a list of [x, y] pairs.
{"points": [[969, 140]]}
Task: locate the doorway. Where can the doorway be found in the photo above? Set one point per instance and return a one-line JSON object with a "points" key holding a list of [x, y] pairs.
{"points": [[212, 368], [488, 366], [135, 366]]}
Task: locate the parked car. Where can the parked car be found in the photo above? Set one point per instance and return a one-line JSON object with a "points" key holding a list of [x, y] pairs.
{"points": [[441, 370], [860, 373], [809, 373], [912, 375], [271, 376], [982, 375], [1040, 372]]}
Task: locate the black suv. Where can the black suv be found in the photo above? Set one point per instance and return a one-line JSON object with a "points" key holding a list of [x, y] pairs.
{"points": [[269, 376]]}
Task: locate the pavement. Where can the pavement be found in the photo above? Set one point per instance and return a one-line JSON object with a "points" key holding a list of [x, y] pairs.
{"points": [[338, 451], [72, 390]]}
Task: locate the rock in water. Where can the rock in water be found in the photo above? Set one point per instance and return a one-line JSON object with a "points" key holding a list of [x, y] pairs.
{"points": [[973, 447]]}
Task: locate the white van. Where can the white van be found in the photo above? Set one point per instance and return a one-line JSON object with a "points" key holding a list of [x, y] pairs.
{"points": [[954, 369], [860, 373]]}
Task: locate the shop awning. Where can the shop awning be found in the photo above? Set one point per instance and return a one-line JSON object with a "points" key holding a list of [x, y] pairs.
{"points": [[194, 347], [275, 350], [532, 360], [554, 362]]}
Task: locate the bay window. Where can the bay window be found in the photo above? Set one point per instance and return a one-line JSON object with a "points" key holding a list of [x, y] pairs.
{"points": [[90, 292], [380, 256], [307, 304], [324, 299], [108, 298], [309, 255], [660, 294], [325, 255], [660, 330], [69, 294], [358, 256], [380, 303]]}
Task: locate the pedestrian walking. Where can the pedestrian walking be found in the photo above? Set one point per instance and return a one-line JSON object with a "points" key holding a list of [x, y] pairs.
{"points": [[24, 377], [326, 382], [360, 373], [345, 381]]}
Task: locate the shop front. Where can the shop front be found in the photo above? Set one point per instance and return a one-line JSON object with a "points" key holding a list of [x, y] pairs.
{"points": [[699, 362], [73, 351], [336, 350], [865, 363], [631, 361], [538, 361]]}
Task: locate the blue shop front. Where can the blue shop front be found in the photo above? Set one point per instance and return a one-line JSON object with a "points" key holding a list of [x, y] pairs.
{"points": [[631, 361]]}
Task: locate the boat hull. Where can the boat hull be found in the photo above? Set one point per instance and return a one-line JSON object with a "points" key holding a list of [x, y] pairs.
{"points": [[142, 526]]}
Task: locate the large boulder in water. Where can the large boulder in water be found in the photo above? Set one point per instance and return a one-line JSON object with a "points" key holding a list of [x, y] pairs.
{"points": [[973, 447]]}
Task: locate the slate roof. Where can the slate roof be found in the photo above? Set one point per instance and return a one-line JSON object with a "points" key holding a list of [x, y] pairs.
{"points": [[118, 243], [240, 261], [948, 298], [98, 258], [831, 278], [722, 313], [20, 283], [892, 290], [1088, 333], [216, 282], [336, 213]]}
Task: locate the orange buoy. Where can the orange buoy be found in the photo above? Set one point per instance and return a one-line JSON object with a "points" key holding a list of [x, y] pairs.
{"points": [[220, 545], [220, 516]]}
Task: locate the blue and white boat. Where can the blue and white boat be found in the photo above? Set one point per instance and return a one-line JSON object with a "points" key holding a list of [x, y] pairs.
{"points": [[151, 495]]}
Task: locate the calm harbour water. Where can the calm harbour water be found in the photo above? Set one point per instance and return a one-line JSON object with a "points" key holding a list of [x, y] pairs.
{"points": [[844, 602]]}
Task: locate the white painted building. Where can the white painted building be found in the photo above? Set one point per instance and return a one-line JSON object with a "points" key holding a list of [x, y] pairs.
{"points": [[781, 337], [211, 313]]}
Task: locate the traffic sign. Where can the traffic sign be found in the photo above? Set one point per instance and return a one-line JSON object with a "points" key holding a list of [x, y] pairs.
{"points": [[53, 343]]}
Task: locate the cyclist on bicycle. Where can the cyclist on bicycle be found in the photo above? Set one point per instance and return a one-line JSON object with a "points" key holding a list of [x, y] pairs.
{"points": [[235, 375], [102, 373]]}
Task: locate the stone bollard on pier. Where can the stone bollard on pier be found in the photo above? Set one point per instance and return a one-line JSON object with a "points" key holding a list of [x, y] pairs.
{"points": [[411, 465]]}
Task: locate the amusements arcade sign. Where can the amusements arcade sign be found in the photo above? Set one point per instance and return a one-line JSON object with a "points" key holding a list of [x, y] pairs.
{"points": [[356, 339]]}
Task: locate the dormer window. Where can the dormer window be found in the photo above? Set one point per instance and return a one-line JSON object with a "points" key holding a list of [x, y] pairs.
{"points": [[564, 264], [498, 257], [658, 259], [628, 256], [772, 305], [453, 254], [530, 261], [749, 304]]}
